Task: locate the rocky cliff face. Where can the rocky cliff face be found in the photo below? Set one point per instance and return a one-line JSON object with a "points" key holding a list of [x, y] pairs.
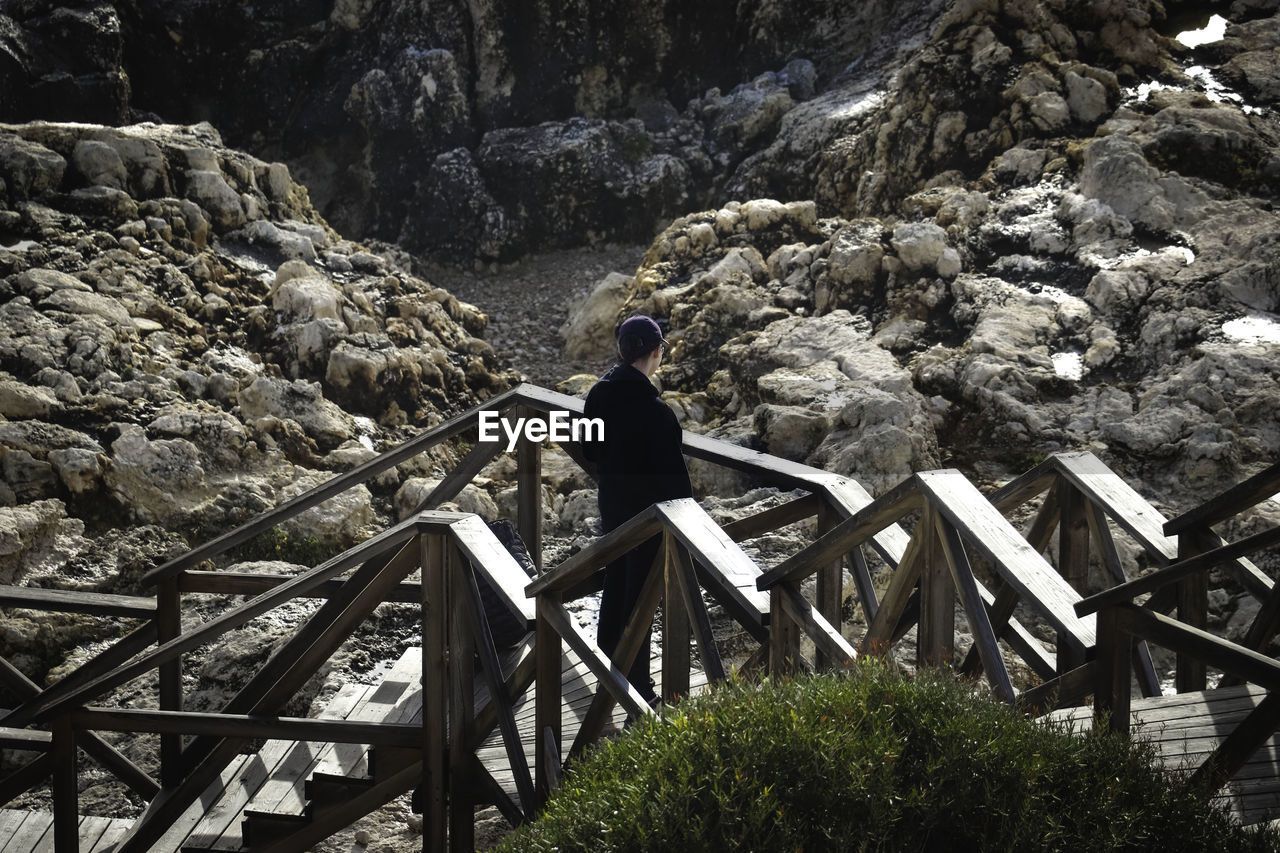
{"points": [[463, 130], [1024, 245], [184, 342]]}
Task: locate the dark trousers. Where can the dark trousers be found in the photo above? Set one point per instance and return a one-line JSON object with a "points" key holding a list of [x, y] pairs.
{"points": [[623, 580]]}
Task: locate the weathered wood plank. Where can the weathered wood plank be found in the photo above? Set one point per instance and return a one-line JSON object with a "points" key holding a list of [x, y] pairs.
{"points": [[1177, 571], [24, 739], [387, 541], [256, 583], [1066, 689], [529, 491], [1022, 641], [773, 518], [176, 832], [611, 678], [1132, 512], [690, 598], [1100, 531], [490, 558], [1042, 588], [10, 820], [858, 528], [288, 765], [936, 633], [724, 569], [30, 832], [846, 497], [628, 646], [1223, 654], [1233, 501], [240, 725], [598, 554], [72, 601], [883, 627], [984, 635], [113, 833], [1235, 748], [492, 678], [1025, 486], [826, 638]]}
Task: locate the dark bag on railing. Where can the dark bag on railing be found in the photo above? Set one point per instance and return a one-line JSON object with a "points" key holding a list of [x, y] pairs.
{"points": [[507, 630]]}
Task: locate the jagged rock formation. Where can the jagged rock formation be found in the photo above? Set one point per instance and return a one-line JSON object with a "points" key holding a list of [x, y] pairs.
{"points": [[464, 130], [1058, 259], [184, 342]]}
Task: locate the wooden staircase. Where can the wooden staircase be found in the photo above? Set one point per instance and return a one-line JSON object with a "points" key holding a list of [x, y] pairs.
{"points": [[289, 788]]}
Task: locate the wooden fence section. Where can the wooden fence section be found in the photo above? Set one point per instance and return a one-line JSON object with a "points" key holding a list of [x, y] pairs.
{"points": [[936, 567], [1083, 499], [492, 727], [1242, 749], [464, 700]]}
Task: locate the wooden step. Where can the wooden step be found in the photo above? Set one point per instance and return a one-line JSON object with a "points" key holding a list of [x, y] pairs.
{"points": [[261, 829]]}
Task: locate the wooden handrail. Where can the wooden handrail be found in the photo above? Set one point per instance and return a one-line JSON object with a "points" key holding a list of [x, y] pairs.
{"points": [[1230, 657], [54, 699], [256, 583], [75, 601], [598, 554], [1169, 574], [1253, 491], [853, 531], [266, 727]]}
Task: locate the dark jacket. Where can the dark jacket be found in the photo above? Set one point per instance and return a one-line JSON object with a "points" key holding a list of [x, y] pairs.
{"points": [[640, 461]]}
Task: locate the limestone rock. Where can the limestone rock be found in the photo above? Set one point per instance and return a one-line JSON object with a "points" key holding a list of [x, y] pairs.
{"points": [[211, 191], [34, 535], [339, 522], [589, 331], [298, 401]]}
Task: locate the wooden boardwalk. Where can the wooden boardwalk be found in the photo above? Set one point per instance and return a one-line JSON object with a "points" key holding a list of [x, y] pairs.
{"points": [[272, 780], [23, 832], [1185, 727]]}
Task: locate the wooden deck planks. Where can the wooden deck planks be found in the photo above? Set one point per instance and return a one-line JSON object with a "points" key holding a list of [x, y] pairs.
{"points": [[1185, 728], [32, 832]]}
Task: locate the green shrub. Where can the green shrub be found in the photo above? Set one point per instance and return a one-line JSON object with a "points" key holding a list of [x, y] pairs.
{"points": [[871, 761], [277, 544]]}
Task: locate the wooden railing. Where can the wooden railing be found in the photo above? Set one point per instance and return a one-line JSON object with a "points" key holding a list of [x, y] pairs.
{"points": [[956, 525], [700, 556], [958, 528], [696, 556], [450, 550], [1122, 623]]}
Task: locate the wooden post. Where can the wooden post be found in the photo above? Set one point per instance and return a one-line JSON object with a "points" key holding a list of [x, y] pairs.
{"points": [[830, 581], [462, 710], [1193, 610], [675, 626], [784, 638], [529, 491], [435, 692], [548, 687], [168, 626], [1111, 693], [935, 638], [1073, 537], [66, 818]]}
